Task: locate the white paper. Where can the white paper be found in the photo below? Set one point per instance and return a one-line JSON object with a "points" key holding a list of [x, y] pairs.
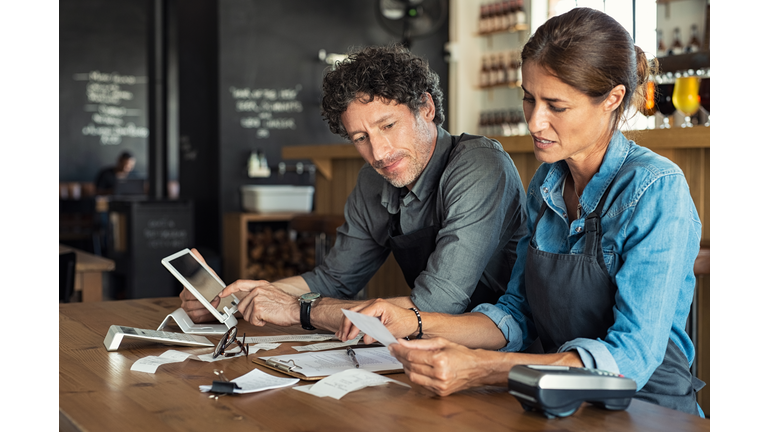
{"points": [[341, 383], [255, 381], [328, 345], [150, 364], [315, 364], [263, 346], [289, 338], [371, 326]]}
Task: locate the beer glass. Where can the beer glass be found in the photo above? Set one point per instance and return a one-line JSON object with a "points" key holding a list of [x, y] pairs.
{"points": [[685, 97], [704, 97], [664, 102]]}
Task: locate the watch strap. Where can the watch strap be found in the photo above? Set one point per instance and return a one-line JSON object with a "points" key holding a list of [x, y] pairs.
{"points": [[306, 307]]}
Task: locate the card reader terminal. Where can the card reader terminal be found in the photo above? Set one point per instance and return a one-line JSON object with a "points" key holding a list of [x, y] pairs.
{"points": [[558, 391]]}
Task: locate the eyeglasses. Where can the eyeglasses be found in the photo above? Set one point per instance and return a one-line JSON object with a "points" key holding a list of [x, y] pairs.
{"points": [[229, 338]]}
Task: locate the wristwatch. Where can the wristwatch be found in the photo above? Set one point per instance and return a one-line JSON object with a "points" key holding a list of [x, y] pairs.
{"points": [[306, 300]]}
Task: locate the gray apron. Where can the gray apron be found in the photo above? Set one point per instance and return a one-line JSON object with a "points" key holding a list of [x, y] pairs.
{"points": [[412, 251], [572, 296]]}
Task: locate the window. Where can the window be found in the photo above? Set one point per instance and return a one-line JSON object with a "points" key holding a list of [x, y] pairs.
{"points": [[640, 22]]}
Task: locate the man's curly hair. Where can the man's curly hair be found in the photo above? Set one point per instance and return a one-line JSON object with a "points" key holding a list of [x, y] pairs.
{"points": [[391, 73]]}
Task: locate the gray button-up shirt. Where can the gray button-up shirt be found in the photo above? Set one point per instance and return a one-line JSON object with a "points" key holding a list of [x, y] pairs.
{"points": [[474, 195]]}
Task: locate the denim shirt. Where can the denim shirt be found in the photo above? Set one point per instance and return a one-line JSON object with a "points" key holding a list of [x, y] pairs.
{"points": [[473, 194], [651, 236]]}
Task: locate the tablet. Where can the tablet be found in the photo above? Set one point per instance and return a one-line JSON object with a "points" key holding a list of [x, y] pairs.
{"points": [[203, 284]]}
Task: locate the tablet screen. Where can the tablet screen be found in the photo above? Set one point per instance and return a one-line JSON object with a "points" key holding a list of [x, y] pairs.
{"points": [[203, 281]]}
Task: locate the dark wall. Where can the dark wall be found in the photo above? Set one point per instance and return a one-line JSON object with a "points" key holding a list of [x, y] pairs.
{"points": [[271, 76], [198, 66], [102, 85], [221, 51]]}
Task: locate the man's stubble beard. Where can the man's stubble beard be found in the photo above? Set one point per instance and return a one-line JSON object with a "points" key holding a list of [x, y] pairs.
{"points": [[415, 165]]}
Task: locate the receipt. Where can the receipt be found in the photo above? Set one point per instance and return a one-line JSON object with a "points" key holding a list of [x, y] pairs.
{"points": [[150, 364], [328, 345], [256, 381], [371, 326], [290, 338], [341, 383]]}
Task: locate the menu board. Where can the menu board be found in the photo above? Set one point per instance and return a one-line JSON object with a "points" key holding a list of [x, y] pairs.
{"points": [[110, 101], [103, 86]]}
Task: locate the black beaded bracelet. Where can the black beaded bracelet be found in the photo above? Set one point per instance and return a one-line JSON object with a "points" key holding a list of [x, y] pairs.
{"points": [[418, 315]]}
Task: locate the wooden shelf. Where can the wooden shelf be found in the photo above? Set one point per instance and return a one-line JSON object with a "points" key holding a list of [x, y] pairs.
{"points": [[675, 138], [515, 29], [235, 242], [654, 139], [684, 62], [517, 84]]}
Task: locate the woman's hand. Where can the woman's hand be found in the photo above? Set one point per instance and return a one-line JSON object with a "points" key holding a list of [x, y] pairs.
{"points": [[401, 322], [445, 367]]}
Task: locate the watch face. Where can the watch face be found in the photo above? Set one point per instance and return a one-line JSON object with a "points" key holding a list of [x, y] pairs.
{"points": [[307, 297]]}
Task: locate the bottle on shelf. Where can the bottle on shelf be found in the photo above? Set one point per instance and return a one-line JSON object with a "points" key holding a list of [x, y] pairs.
{"points": [[481, 124], [694, 45], [511, 11], [521, 17], [493, 18], [485, 73], [483, 23], [507, 122], [513, 70], [501, 70], [677, 46], [503, 18], [493, 73], [522, 125]]}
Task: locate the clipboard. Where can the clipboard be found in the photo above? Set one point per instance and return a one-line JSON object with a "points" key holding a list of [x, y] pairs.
{"points": [[292, 366]]}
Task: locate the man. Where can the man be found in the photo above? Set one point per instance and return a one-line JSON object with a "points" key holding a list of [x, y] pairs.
{"points": [[449, 208], [107, 178]]}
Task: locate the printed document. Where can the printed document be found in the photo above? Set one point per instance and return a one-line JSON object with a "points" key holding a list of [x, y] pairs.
{"points": [[317, 364]]}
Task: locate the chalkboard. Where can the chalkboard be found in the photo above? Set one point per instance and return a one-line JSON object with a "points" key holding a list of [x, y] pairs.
{"points": [[153, 230], [270, 76], [102, 85]]}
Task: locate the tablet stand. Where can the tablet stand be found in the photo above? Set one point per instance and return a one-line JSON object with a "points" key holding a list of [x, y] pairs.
{"points": [[187, 326]]}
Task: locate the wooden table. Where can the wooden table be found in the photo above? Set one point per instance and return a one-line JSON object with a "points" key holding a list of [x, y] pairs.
{"points": [[89, 270], [98, 391]]}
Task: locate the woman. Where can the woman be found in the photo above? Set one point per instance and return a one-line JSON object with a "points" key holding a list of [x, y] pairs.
{"points": [[604, 278]]}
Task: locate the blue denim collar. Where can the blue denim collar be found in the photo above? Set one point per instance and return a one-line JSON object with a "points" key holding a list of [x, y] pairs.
{"points": [[618, 150]]}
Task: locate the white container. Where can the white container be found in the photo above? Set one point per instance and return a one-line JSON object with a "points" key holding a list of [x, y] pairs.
{"points": [[277, 198]]}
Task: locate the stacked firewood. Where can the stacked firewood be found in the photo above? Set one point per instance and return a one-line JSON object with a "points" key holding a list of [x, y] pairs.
{"points": [[274, 254]]}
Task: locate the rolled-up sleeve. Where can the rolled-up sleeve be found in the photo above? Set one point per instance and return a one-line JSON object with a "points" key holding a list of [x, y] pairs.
{"points": [[593, 354], [506, 323]]}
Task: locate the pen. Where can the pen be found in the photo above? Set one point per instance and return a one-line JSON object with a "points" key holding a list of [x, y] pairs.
{"points": [[351, 353]]}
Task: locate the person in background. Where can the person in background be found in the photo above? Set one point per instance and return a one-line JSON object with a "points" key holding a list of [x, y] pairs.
{"points": [[604, 279], [107, 178], [449, 208]]}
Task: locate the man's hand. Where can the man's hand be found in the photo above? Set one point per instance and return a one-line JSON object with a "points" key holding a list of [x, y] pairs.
{"points": [[442, 366], [264, 303], [191, 305], [401, 322], [196, 311]]}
